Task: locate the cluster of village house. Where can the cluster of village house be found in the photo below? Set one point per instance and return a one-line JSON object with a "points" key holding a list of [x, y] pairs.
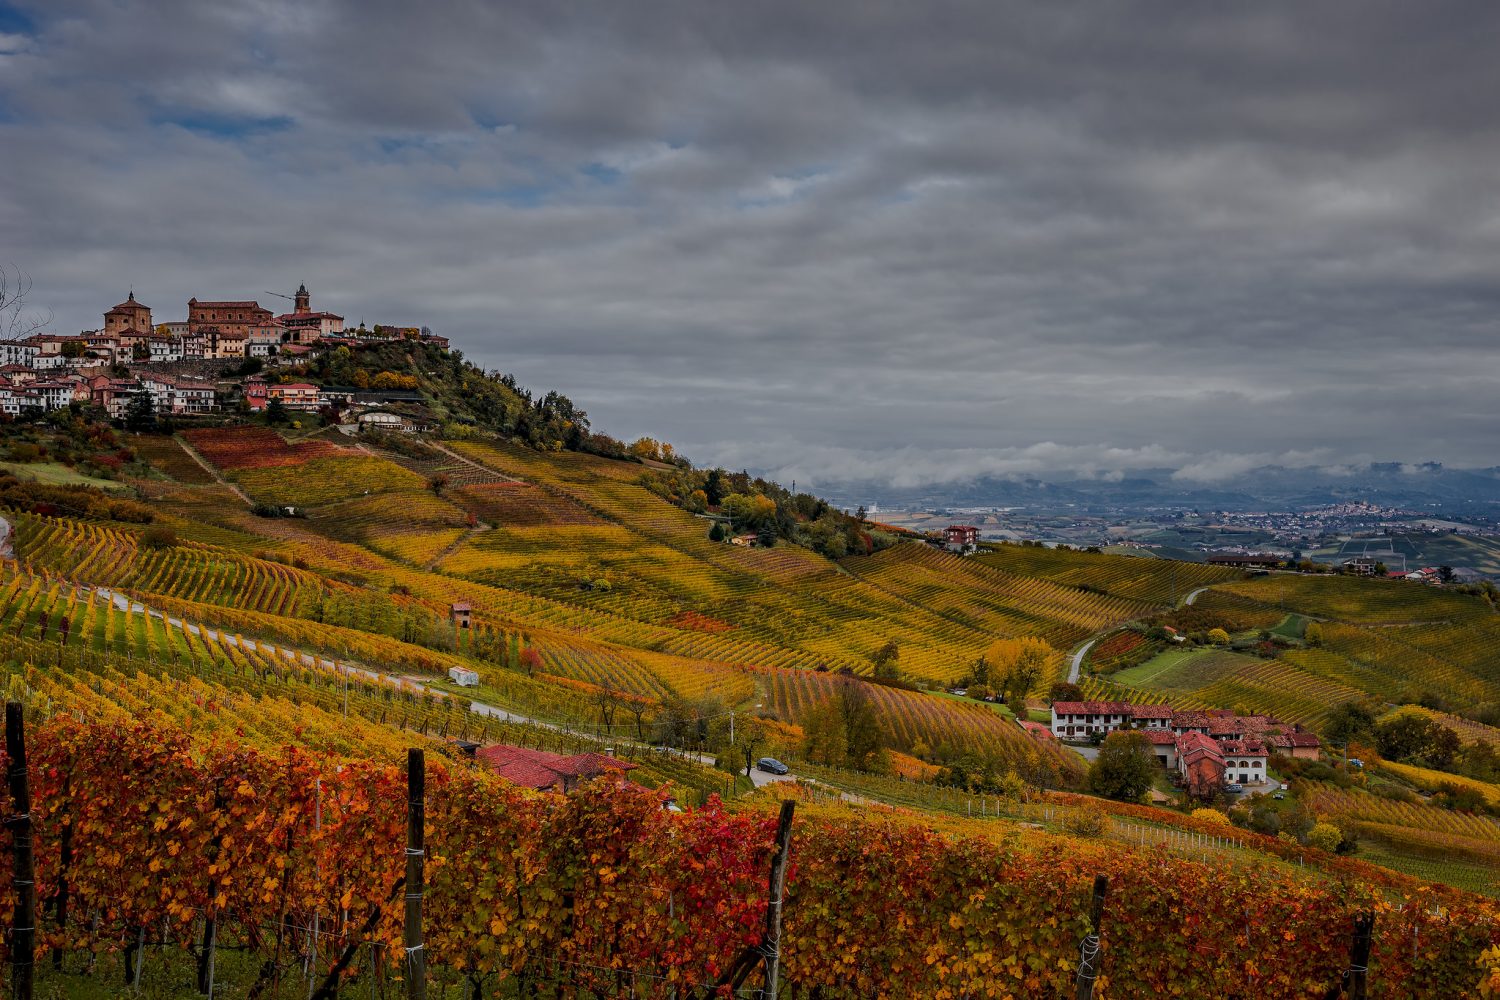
{"points": [[48, 370], [1213, 747]]}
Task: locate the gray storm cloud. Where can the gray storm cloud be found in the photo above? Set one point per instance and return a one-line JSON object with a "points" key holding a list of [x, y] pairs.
{"points": [[835, 240]]}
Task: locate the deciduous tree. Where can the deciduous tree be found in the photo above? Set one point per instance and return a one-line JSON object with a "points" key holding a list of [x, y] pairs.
{"points": [[1125, 767]]}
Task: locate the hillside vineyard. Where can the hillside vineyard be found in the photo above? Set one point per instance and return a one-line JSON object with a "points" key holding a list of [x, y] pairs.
{"points": [[260, 660]]}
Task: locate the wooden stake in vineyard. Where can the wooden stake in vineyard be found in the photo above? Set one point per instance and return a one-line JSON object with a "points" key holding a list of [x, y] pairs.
{"points": [[23, 926], [1088, 952], [769, 947], [1353, 981], [416, 956]]}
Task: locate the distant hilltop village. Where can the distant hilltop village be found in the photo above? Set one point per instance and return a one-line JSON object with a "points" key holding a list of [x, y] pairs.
{"points": [[176, 364]]}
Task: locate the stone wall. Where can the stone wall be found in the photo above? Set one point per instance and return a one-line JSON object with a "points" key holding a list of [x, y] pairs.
{"points": [[208, 369]]}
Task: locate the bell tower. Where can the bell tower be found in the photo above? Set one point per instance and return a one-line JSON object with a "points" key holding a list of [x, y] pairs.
{"points": [[303, 299]]}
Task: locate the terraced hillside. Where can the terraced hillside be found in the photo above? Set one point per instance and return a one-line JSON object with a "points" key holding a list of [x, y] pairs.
{"points": [[610, 588], [201, 646], [1138, 578], [1393, 639]]}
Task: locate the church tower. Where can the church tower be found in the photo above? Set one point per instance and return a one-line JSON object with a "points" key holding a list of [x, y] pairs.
{"points": [[128, 315], [303, 299]]}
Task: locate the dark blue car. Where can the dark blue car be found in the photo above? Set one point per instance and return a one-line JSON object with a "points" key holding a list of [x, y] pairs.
{"points": [[772, 766]]}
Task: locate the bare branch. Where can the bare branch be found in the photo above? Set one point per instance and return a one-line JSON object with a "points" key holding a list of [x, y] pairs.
{"points": [[15, 322]]}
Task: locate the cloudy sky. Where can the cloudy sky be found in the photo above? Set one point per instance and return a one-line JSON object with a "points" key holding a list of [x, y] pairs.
{"points": [[921, 241]]}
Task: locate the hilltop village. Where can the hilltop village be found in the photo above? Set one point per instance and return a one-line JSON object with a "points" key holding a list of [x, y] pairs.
{"points": [[225, 354]]}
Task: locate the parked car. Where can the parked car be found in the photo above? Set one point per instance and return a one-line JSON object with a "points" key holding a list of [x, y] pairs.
{"points": [[772, 766], [1279, 796]]}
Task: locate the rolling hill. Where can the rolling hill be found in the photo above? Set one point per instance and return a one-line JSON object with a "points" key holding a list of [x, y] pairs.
{"points": [[212, 640]]}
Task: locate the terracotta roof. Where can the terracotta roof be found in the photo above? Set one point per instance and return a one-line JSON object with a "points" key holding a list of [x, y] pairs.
{"points": [[1160, 737], [540, 769], [1092, 707], [1194, 746], [129, 303], [1151, 711], [307, 315], [1244, 748], [1190, 720], [227, 304], [1296, 740]]}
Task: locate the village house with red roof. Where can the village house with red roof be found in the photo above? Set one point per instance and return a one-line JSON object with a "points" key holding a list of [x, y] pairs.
{"points": [[546, 771], [1202, 747]]}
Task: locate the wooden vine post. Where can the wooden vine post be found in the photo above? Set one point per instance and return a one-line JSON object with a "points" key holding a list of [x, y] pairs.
{"points": [[777, 897], [1359, 956], [769, 948], [1354, 981], [416, 956], [23, 925], [1088, 951]]}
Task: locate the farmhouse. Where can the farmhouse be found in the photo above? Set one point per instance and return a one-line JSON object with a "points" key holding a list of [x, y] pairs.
{"points": [[961, 538], [463, 676], [1240, 743], [1298, 743], [460, 614], [1164, 745], [545, 771], [1084, 718], [1244, 760], [1200, 764]]}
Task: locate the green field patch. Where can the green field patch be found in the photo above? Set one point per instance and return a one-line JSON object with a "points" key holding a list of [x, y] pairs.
{"points": [[996, 706], [1291, 627], [56, 474], [1186, 669]]}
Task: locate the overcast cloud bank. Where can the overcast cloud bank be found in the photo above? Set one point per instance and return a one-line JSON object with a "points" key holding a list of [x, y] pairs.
{"points": [[835, 240]]}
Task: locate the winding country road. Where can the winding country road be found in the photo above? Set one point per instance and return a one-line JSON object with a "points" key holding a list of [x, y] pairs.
{"points": [[1077, 664], [1194, 595]]}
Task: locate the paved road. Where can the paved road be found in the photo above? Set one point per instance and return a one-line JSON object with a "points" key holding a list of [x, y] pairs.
{"points": [[760, 778], [1193, 596], [7, 551], [1077, 663]]}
